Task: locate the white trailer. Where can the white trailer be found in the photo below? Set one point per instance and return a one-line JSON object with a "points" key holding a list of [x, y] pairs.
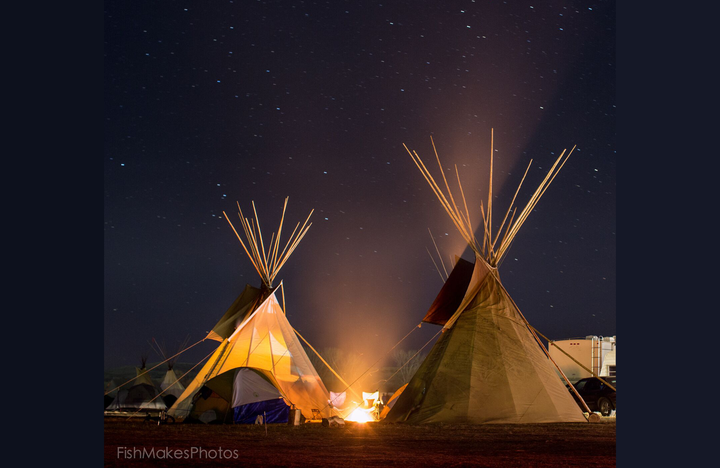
{"points": [[595, 353]]}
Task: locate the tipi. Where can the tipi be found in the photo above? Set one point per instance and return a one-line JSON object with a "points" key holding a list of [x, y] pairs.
{"points": [[488, 366], [260, 367], [170, 387], [140, 395]]}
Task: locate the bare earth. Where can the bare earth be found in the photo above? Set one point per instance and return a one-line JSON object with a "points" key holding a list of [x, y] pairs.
{"points": [[137, 443]]}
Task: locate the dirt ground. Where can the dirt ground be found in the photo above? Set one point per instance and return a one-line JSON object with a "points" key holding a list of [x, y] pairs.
{"points": [[138, 444]]}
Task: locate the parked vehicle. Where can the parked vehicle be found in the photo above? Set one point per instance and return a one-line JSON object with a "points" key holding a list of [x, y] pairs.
{"points": [[579, 358], [597, 395]]}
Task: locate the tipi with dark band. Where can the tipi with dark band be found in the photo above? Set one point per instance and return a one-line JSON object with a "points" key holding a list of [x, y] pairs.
{"points": [[488, 366]]}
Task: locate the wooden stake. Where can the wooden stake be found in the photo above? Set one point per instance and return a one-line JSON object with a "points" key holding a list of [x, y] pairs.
{"points": [[436, 267], [277, 242], [267, 262], [282, 289], [512, 202], [531, 204], [455, 208], [465, 231], [439, 256], [257, 221], [490, 189], [462, 194], [243, 245], [492, 254]]}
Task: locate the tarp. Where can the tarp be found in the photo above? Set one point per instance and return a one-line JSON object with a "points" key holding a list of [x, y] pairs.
{"points": [[251, 387], [272, 411]]}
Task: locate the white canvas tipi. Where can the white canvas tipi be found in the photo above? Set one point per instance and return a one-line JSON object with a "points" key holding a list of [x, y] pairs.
{"points": [[170, 387], [488, 366], [260, 367], [140, 395]]}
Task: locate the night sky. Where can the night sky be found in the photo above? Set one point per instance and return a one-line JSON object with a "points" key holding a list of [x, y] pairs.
{"points": [[212, 103]]}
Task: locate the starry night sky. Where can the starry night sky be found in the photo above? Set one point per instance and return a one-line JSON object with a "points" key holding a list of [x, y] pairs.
{"points": [[212, 103]]}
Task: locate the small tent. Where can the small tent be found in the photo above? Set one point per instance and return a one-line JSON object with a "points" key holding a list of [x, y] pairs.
{"points": [[488, 366], [260, 368], [139, 395]]}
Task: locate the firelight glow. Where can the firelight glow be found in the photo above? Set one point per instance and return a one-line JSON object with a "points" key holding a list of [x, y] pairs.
{"points": [[360, 415]]}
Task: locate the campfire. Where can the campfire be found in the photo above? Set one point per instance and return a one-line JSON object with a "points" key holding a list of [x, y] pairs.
{"points": [[368, 411], [361, 415]]}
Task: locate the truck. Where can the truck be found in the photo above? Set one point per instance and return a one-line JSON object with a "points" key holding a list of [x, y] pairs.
{"points": [[596, 353]]}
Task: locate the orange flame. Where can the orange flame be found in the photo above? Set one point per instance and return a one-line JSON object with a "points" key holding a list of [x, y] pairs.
{"points": [[360, 415]]}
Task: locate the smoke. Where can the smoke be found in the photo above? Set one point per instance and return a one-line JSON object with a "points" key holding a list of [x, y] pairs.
{"points": [[362, 278]]}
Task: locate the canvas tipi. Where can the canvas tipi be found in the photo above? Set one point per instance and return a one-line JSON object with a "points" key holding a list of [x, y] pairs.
{"points": [[140, 395], [260, 367], [170, 387], [488, 366]]}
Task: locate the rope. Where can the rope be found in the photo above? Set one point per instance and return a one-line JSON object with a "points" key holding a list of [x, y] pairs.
{"points": [[381, 358], [325, 362], [178, 379], [348, 386], [532, 331], [163, 362], [250, 352], [385, 355], [575, 360], [246, 362], [411, 358]]}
